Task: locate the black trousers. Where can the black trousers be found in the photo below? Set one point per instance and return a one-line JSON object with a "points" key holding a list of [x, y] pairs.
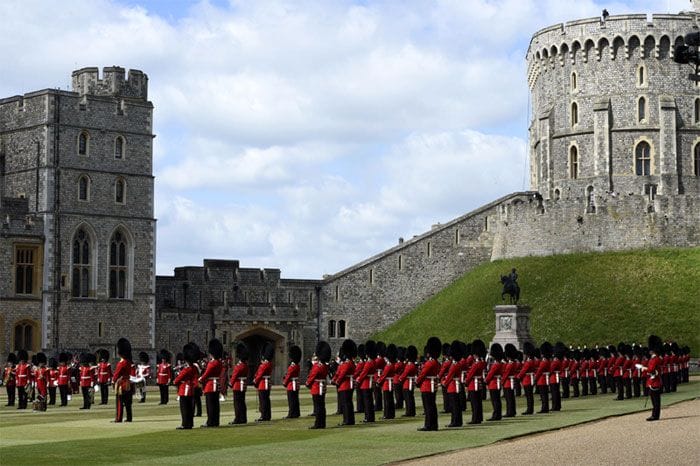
{"points": [[11, 390], [446, 408], [565, 392], [52, 395], [104, 393], [124, 404], [477, 404], [636, 387], [430, 408], [164, 394], [620, 388], [628, 388], [518, 387], [213, 409], [63, 391], [584, 386], [456, 419], [293, 403], [320, 410], [495, 396], [509, 395], [240, 411], [544, 398], [574, 385], [556, 396], [346, 407], [198, 401], [378, 406], [369, 404], [530, 399], [666, 380], [602, 381], [610, 382], [22, 395], [338, 408], [673, 381], [462, 398], [86, 397], [655, 396], [187, 411], [360, 402], [398, 395], [265, 408], [389, 407], [410, 402]]}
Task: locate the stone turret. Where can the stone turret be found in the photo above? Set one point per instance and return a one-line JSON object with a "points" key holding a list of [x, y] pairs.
{"points": [[113, 82]]}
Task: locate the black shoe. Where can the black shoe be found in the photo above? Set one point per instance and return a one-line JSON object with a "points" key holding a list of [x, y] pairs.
{"points": [[494, 419], [652, 418], [205, 426], [182, 428], [527, 413], [542, 412], [509, 415], [423, 429], [474, 422], [365, 421]]}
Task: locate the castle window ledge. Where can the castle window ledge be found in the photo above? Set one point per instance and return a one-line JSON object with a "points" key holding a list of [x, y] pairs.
{"points": [[21, 297], [120, 300], [635, 128], [76, 298], [566, 134]]}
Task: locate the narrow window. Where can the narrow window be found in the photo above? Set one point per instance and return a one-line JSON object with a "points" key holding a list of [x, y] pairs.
{"points": [[337, 293], [289, 297], [311, 300], [83, 143], [224, 338], [100, 329], [574, 81], [24, 270], [84, 188], [696, 111], [641, 76], [371, 276], [696, 167], [642, 155], [118, 268], [189, 336], [331, 328], [574, 114], [573, 162], [429, 247], [642, 109], [400, 262], [119, 148], [82, 265], [557, 194], [457, 236], [120, 191], [341, 329]]}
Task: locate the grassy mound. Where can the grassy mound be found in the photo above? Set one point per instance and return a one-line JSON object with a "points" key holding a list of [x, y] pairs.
{"points": [[577, 298]]}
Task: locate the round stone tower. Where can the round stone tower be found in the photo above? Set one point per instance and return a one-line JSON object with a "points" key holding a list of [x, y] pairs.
{"points": [[612, 113]]}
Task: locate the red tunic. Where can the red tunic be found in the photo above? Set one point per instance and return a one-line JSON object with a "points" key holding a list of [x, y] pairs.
{"points": [[121, 375], [574, 369], [41, 376], [87, 376], [527, 372], [428, 378], [9, 376], [104, 373], [63, 375], [343, 377], [291, 378], [653, 372], [164, 373], [627, 368], [379, 363], [509, 374], [367, 375], [53, 377], [398, 370], [408, 377], [316, 380], [555, 371], [493, 378], [453, 376], [262, 376], [186, 380], [210, 378], [358, 369], [239, 377], [542, 374], [386, 380], [22, 373], [474, 375]]}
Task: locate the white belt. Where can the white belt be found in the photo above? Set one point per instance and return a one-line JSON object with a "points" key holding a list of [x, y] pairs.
{"points": [[556, 376], [532, 378], [321, 386], [242, 382], [512, 381], [295, 384], [457, 381], [498, 382], [433, 384], [391, 383], [266, 382], [411, 382], [546, 377], [352, 381]]}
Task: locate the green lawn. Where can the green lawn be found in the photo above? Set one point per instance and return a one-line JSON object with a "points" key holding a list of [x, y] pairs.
{"points": [[68, 435], [576, 298]]}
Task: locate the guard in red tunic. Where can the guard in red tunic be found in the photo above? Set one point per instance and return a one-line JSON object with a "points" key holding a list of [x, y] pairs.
{"points": [[527, 377], [121, 379], [9, 379], [444, 367], [291, 383], [618, 369], [509, 379], [542, 375], [359, 364], [87, 380], [386, 382], [239, 383], [379, 363], [428, 381], [22, 373], [365, 380], [41, 379], [653, 372], [555, 377], [53, 380], [494, 380], [474, 380], [63, 377], [398, 370], [603, 369], [186, 381], [104, 375], [343, 379], [210, 381], [574, 371], [636, 371], [164, 375], [407, 379], [317, 381], [452, 382], [262, 382]]}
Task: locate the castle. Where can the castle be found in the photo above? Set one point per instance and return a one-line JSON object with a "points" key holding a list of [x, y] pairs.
{"points": [[614, 158]]}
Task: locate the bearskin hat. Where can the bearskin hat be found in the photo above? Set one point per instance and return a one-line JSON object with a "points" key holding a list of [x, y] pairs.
{"points": [[446, 347], [41, 358], [371, 349], [401, 353], [191, 352], [268, 351], [467, 349], [242, 352], [621, 347], [546, 349], [456, 350], [84, 358], [63, 357], [34, 363], [12, 358], [216, 349], [391, 352], [411, 353], [124, 349], [22, 355], [511, 351], [323, 351], [381, 349], [529, 349], [604, 352], [497, 351], [361, 351], [103, 354], [538, 353], [433, 346], [53, 364], [143, 357], [295, 354], [165, 355], [479, 348], [559, 349], [349, 349], [179, 357], [655, 344]]}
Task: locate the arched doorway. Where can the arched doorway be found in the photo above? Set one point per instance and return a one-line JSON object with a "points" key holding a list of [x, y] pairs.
{"points": [[255, 339]]}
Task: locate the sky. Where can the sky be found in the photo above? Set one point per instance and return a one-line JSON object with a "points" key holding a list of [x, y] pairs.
{"points": [[308, 135]]}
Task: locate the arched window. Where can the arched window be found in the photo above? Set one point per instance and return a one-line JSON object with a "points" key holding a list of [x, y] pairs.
{"points": [[341, 329], [24, 336], [120, 191], [557, 194], [82, 265], [696, 167], [642, 109], [84, 188], [118, 266], [696, 112], [83, 143], [573, 162], [641, 76], [119, 147], [574, 114], [642, 159], [331, 329], [574, 81]]}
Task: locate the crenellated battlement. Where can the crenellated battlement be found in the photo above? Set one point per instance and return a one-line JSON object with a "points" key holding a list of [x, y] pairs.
{"points": [[114, 82]]}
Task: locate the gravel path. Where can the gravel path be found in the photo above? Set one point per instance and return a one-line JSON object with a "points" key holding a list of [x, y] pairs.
{"points": [[675, 439]]}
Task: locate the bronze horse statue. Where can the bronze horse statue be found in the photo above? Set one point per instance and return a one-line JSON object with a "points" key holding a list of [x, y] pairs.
{"points": [[510, 288]]}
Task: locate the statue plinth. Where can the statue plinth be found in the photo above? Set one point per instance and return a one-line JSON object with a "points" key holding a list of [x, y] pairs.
{"points": [[512, 325]]}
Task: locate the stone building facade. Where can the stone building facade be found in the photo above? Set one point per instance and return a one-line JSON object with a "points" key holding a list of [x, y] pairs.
{"points": [[615, 164]]}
